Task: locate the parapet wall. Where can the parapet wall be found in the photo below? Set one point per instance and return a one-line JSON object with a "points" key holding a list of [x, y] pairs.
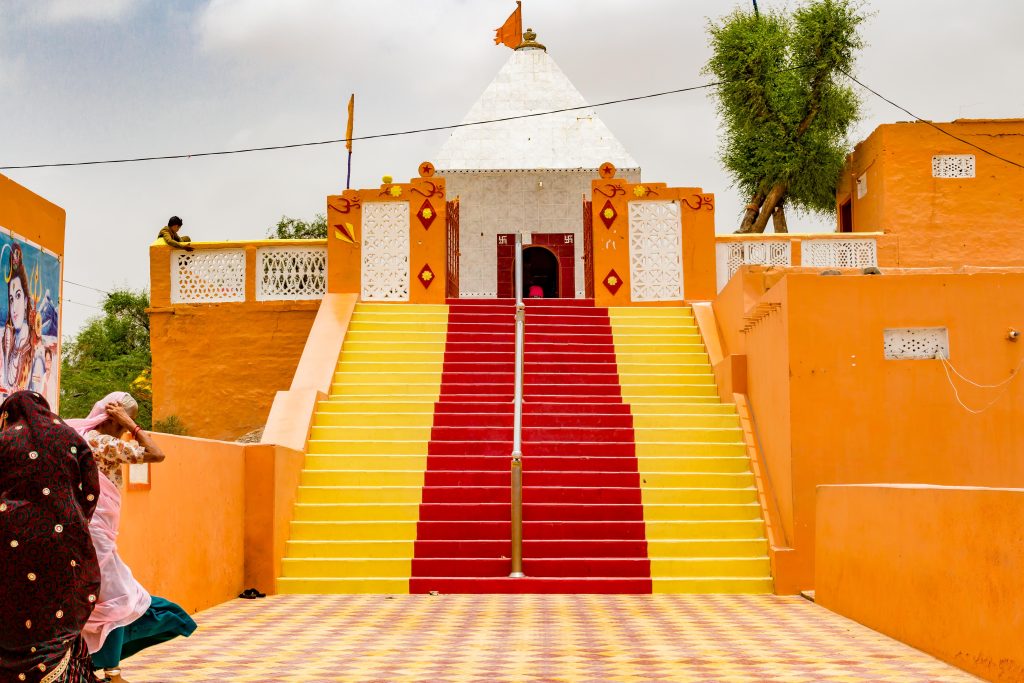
{"points": [[228, 323], [935, 567], [831, 409]]}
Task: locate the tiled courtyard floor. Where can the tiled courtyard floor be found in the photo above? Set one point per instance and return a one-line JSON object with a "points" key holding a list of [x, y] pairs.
{"points": [[490, 638]]}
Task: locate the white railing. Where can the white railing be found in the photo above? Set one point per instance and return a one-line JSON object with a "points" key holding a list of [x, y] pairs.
{"points": [[291, 273], [216, 273], [732, 255], [817, 251], [207, 276], [839, 253]]}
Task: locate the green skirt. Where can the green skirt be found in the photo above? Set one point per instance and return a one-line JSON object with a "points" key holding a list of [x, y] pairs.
{"points": [[161, 622]]}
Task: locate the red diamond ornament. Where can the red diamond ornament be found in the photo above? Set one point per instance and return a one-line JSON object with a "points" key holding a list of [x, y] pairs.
{"points": [[426, 276], [612, 281], [426, 214], [607, 213]]}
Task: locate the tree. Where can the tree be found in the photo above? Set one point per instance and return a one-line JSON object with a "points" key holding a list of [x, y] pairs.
{"points": [[111, 353], [785, 109], [297, 229]]}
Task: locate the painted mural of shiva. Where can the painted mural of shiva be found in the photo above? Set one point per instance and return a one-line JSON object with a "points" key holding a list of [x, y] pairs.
{"points": [[24, 366]]}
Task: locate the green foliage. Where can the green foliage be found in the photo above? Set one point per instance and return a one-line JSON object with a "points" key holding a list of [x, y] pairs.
{"points": [[296, 229], [171, 425], [108, 354], [785, 106]]}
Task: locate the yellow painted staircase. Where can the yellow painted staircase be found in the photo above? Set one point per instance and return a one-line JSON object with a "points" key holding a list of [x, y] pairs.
{"points": [[705, 532], [358, 503]]}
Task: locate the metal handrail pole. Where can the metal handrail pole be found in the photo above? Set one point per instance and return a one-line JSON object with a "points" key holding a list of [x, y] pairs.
{"points": [[517, 422]]}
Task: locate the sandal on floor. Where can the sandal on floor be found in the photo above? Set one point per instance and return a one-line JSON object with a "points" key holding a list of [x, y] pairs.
{"points": [[251, 594]]}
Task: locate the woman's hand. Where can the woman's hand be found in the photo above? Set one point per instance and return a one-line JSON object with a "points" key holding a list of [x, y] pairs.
{"points": [[117, 413]]}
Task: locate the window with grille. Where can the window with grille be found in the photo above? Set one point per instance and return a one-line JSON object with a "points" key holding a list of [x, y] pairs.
{"points": [[916, 343], [953, 166]]}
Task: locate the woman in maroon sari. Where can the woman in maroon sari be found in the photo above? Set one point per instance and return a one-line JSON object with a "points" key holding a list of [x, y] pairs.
{"points": [[49, 577]]}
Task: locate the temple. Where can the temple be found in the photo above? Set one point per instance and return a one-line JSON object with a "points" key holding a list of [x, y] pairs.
{"points": [[836, 413]]}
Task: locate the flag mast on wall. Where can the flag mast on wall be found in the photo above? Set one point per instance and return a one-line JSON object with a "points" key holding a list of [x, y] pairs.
{"points": [[348, 139], [511, 32]]}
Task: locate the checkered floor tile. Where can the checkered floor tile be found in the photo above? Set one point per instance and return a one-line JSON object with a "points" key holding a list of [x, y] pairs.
{"points": [[532, 638]]}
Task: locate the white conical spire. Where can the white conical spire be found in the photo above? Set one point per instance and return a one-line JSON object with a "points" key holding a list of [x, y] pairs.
{"points": [[531, 82]]}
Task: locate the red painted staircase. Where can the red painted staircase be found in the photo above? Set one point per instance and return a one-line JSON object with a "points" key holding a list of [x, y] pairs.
{"points": [[583, 516]]}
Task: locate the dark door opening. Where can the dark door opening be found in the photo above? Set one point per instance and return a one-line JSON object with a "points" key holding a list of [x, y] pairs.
{"points": [[540, 269], [846, 216]]}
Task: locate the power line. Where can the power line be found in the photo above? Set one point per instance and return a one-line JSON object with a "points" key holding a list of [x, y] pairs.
{"points": [[414, 131], [95, 289], [79, 303], [454, 126], [941, 130]]}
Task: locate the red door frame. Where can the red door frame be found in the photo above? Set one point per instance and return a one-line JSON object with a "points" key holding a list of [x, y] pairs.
{"points": [[561, 244]]}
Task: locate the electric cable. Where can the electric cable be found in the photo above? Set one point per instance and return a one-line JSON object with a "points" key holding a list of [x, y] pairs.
{"points": [[936, 127], [376, 136]]}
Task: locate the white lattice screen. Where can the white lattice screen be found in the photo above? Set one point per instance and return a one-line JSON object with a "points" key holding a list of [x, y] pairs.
{"points": [[385, 264], [655, 251], [208, 276], [862, 253], [916, 343], [953, 166], [732, 255], [291, 273]]}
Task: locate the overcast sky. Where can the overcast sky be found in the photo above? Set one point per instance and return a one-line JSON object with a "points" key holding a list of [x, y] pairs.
{"points": [[89, 79]]}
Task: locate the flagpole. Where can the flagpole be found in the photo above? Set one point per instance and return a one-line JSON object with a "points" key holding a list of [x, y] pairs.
{"points": [[348, 139]]}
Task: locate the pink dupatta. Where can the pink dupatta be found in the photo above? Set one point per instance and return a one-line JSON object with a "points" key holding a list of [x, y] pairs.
{"points": [[121, 599]]}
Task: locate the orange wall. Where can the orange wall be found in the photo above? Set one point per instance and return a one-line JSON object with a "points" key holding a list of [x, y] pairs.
{"points": [[611, 242], [214, 521], [942, 221], [217, 367], [428, 239], [184, 537], [830, 409], [938, 568]]}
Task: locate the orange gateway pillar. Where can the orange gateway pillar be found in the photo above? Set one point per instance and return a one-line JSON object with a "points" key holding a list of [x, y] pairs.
{"points": [[389, 243], [652, 244]]}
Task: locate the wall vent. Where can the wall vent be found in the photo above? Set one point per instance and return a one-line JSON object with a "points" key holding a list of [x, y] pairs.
{"points": [[953, 166], [916, 343]]}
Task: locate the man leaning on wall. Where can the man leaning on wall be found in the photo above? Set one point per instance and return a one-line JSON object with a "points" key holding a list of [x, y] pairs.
{"points": [[170, 235]]}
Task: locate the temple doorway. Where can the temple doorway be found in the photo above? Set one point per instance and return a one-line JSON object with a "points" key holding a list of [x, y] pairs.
{"points": [[548, 257], [540, 270]]}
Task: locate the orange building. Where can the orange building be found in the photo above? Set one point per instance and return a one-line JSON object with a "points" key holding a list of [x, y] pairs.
{"points": [[948, 203]]}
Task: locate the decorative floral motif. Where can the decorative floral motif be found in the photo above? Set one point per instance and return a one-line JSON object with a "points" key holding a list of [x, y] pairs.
{"points": [[608, 214], [395, 191], [426, 276], [612, 282], [426, 214], [640, 190]]}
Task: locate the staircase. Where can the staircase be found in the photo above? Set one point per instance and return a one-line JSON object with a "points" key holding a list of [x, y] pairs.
{"points": [[359, 496], [583, 518], [635, 476], [705, 532]]}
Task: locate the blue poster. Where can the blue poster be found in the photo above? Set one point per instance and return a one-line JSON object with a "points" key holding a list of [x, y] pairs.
{"points": [[30, 315]]}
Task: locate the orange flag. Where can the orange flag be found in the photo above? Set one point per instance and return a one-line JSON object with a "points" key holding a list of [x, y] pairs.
{"points": [[348, 128], [511, 32]]}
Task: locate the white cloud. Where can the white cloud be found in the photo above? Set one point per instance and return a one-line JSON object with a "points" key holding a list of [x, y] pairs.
{"points": [[60, 11]]}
